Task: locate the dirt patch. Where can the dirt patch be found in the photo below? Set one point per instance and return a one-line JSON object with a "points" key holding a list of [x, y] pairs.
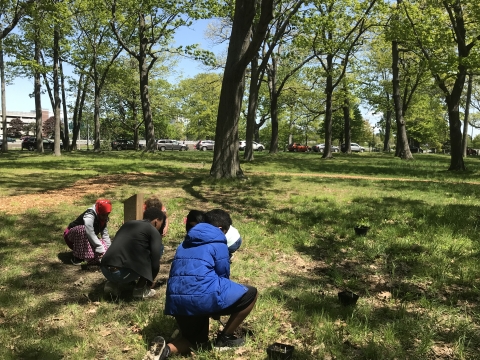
{"points": [[18, 204]]}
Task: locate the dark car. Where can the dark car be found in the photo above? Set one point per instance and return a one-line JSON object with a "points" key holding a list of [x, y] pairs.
{"points": [[124, 144], [471, 151], [205, 145], [415, 149], [30, 143], [167, 144]]}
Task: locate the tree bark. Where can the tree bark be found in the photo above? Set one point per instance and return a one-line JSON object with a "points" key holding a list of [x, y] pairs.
{"points": [[272, 81], [56, 88], [327, 124], [66, 137], [37, 90], [346, 122], [466, 116]]}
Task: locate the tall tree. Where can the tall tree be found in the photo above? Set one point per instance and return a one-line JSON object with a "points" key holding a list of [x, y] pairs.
{"points": [[333, 33], [450, 52], [95, 44], [11, 11], [154, 27], [242, 48]]}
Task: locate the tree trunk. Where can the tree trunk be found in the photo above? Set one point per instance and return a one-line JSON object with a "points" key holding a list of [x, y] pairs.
{"points": [[144, 95], [37, 91], [467, 113], [96, 112], [327, 152], [346, 122], [402, 150], [252, 108], [66, 137], [241, 50], [4, 106], [273, 106], [388, 129], [453, 101], [56, 88]]}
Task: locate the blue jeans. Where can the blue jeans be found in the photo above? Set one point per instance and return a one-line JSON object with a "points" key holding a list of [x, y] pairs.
{"points": [[119, 275]]}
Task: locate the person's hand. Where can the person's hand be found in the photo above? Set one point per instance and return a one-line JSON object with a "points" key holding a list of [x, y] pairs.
{"points": [[164, 232]]}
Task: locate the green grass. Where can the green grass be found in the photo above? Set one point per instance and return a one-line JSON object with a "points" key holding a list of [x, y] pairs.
{"points": [[416, 271]]}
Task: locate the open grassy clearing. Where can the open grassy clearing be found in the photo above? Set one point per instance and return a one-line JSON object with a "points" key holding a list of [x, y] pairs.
{"points": [[417, 270]]}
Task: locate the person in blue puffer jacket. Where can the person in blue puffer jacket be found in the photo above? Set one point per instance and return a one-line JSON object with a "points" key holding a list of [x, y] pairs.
{"points": [[199, 288]]}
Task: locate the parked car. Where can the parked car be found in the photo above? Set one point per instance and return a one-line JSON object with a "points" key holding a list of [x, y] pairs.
{"points": [[471, 151], [124, 144], [415, 149], [30, 143], [354, 147], [167, 144], [321, 147], [297, 147], [256, 146], [205, 145]]}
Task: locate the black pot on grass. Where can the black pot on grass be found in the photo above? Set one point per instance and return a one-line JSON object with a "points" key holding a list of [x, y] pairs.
{"points": [[347, 298], [361, 229], [278, 351]]}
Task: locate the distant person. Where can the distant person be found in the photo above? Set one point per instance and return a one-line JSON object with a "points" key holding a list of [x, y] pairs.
{"points": [[135, 255], [81, 235], [154, 201], [199, 288]]}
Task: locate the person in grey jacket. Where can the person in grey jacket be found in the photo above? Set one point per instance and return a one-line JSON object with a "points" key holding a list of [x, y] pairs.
{"points": [[81, 235]]}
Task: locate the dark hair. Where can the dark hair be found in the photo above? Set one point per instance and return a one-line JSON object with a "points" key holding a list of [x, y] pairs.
{"points": [[219, 218], [153, 201], [195, 216], [153, 213]]}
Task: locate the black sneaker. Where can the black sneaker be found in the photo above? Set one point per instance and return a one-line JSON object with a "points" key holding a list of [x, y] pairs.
{"points": [[225, 342], [158, 349], [76, 261]]}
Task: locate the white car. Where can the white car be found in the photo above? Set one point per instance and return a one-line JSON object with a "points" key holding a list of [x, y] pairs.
{"points": [[256, 146], [354, 147]]}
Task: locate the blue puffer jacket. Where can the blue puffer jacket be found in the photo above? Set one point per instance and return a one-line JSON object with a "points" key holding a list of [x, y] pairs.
{"points": [[199, 281]]}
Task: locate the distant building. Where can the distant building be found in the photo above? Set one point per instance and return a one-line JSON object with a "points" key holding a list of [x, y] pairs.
{"points": [[26, 117]]}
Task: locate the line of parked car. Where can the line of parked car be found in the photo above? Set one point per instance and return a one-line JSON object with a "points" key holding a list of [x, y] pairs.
{"points": [[297, 147]]}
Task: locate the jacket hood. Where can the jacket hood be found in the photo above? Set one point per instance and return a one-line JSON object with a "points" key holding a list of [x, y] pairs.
{"points": [[204, 233]]}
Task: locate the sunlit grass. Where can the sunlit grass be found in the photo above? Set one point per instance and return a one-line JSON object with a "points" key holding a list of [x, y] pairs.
{"points": [[416, 271]]}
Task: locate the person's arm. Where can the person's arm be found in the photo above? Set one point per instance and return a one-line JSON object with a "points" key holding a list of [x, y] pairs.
{"points": [[88, 220], [106, 236], [165, 226], [156, 251]]}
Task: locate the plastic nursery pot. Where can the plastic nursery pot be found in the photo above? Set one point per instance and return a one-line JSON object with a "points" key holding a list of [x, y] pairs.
{"points": [[278, 351], [361, 230], [347, 298]]}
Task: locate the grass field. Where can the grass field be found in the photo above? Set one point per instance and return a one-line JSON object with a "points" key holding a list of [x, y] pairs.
{"points": [[417, 271]]}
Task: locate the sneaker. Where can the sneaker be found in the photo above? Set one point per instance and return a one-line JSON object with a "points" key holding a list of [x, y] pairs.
{"points": [[158, 349], [111, 289], [144, 292], [225, 342], [76, 261]]}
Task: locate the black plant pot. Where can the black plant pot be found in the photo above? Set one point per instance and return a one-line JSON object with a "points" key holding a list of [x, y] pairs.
{"points": [[347, 298], [278, 351], [361, 230]]}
